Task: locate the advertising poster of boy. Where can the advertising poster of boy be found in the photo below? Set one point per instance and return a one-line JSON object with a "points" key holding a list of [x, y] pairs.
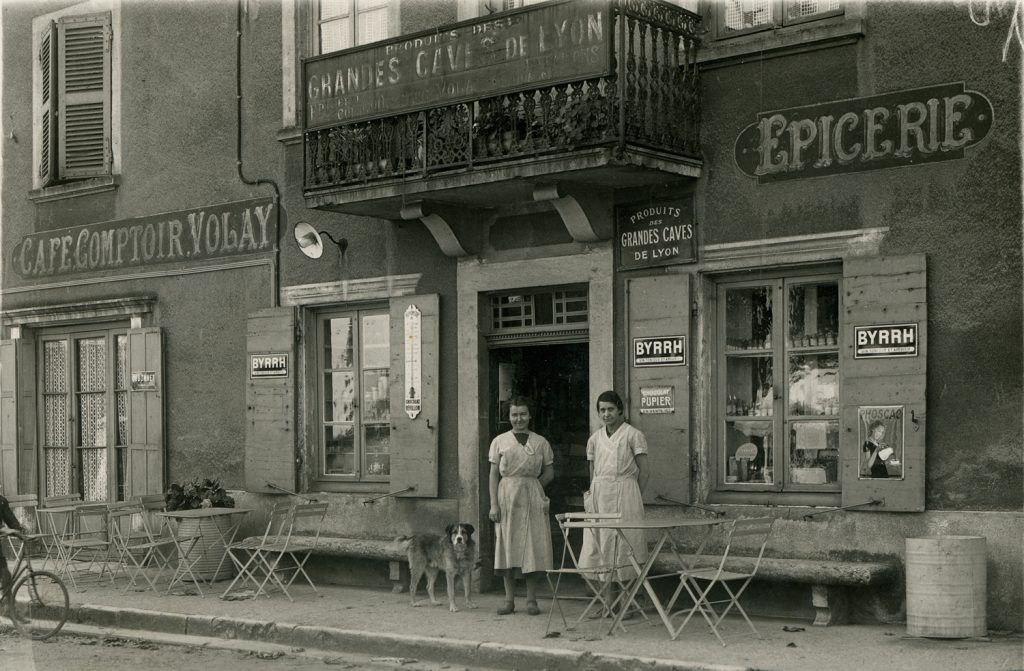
{"points": [[881, 441]]}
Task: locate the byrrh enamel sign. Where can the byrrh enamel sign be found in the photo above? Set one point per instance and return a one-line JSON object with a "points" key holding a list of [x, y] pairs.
{"points": [[903, 128]]}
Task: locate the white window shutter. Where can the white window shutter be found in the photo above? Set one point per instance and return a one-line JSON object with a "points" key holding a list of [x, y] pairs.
{"points": [[144, 457], [84, 96], [47, 60]]}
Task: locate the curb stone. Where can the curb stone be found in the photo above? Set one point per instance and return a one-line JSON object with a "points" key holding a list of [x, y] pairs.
{"points": [[453, 651]]}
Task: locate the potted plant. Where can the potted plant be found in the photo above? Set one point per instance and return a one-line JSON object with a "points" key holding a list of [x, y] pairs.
{"points": [[196, 493], [583, 118]]}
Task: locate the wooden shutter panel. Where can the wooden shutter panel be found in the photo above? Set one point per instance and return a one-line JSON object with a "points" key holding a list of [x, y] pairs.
{"points": [[26, 413], [884, 291], [144, 457], [270, 404], [8, 418], [47, 59], [414, 441], [84, 95], [659, 306]]}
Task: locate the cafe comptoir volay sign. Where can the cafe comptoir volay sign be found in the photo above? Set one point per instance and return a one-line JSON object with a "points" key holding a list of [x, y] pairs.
{"points": [[215, 231], [911, 127], [534, 46]]}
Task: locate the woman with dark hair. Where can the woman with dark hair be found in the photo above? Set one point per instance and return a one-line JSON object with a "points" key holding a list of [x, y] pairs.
{"points": [[874, 461], [617, 453], [522, 463]]}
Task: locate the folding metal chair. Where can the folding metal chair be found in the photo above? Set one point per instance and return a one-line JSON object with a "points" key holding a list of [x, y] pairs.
{"points": [[698, 583], [137, 547], [598, 579], [281, 559], [52, 525], [249, 569], [87, 541], [24, 508]]}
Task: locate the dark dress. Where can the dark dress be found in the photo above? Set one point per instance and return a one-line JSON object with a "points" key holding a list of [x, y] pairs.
{"points": [[878, 469]]}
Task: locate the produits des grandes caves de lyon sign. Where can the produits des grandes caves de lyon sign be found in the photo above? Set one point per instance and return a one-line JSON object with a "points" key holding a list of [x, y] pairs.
{"points": [[911, 127], [545, 44]]}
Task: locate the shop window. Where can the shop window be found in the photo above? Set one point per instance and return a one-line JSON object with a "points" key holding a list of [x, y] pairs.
{"points": [[84, 414], [355, 393], [779, 384], [72, 98], [348, 23], [739, 17]]}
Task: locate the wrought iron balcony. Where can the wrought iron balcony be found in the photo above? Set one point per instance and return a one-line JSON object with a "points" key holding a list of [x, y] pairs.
{"points": [[615, 79]]}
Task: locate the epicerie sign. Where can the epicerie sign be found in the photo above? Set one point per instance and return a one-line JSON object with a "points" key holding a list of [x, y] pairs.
{"points": [[268, 365], [660, 351], [885, 341]]}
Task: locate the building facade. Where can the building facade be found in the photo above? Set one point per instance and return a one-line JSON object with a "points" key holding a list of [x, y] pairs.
{"points": [[317, 247]]}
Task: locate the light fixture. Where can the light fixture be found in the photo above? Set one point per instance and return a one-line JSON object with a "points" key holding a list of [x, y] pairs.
{"points": [[311, 243]]}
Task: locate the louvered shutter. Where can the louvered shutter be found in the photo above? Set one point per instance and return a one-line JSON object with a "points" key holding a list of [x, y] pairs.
{"points": [[414, 439], [26, 413], [144, 461], [883, 291], [83, 60], [47, 58]]}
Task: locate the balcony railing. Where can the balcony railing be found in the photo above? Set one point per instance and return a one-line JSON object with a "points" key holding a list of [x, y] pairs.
{"points": [[647, 99]]}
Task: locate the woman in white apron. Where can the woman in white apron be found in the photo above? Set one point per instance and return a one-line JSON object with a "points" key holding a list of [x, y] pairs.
{"points": [[618, 473], [522, 463]]}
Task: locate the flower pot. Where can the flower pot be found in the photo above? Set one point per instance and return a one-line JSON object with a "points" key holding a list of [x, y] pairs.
{"points": [[209, 550]]}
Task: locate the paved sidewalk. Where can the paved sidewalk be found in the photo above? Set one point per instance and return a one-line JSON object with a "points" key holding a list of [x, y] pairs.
{"points": [[377, 621]]}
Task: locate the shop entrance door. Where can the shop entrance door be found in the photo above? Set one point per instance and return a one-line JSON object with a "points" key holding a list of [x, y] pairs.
{"points": [[554, 377]]}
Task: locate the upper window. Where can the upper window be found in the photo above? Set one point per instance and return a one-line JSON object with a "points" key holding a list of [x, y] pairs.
{"points": [[779, 384], [72, 98], [737, 17], [348, 23], [355, 393]]}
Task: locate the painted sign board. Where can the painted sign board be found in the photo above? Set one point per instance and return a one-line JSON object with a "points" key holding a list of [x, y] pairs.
{"points": [[268, 365], [659, 351], [885, 341], [202, 233], [413, 362], [657, 400], [910, 127], [530, 47], [655, 234], [144, 380], [881, 440]]}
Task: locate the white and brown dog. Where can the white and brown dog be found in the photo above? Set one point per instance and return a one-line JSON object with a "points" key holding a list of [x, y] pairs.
{"points": [[451, 552]]}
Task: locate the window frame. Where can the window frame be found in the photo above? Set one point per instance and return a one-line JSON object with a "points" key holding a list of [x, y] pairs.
{"points": [[315, 22], [781, 490], [779, 18], [359, 423], [116, 451], [56, 184]]}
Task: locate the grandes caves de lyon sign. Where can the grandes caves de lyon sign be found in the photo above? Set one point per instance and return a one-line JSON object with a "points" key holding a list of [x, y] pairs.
{"points": [[910, 127], [526, 48]]}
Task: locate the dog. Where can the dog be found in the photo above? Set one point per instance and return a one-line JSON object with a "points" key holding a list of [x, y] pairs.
{"points": [[451, 552]]}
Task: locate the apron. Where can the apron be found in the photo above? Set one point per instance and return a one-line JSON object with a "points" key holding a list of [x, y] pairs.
{"points": [[522, 538], [614, 489]]}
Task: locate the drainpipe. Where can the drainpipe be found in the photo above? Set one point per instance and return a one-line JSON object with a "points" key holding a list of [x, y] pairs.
{"points": [[275, 279]]}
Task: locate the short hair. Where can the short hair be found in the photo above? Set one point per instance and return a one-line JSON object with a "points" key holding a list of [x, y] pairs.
{"points": [[521, 401], [874, 425], [610, 396]]}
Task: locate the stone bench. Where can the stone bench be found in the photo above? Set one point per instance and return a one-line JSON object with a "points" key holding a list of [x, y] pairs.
{"points": [[828, 578], [363, 548]]}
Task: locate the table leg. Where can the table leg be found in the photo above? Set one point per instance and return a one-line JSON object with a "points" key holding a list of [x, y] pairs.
{"points": [[641, 579]]}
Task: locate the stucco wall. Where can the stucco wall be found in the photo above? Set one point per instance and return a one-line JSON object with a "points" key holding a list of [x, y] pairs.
{"points": [[964, 214]]}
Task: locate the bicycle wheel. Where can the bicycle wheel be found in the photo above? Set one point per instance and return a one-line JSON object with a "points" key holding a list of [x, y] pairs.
{"points": [[40, 605]]}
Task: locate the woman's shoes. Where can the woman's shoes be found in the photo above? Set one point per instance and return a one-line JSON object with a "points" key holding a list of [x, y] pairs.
{"points": [[509, 608], [531, 608]]}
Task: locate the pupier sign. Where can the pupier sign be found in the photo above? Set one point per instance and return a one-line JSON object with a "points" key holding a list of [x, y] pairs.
{"points": [[895, 129]]}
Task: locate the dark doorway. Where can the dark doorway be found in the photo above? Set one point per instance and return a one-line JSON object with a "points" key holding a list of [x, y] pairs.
{"points": [[555, 379]]}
